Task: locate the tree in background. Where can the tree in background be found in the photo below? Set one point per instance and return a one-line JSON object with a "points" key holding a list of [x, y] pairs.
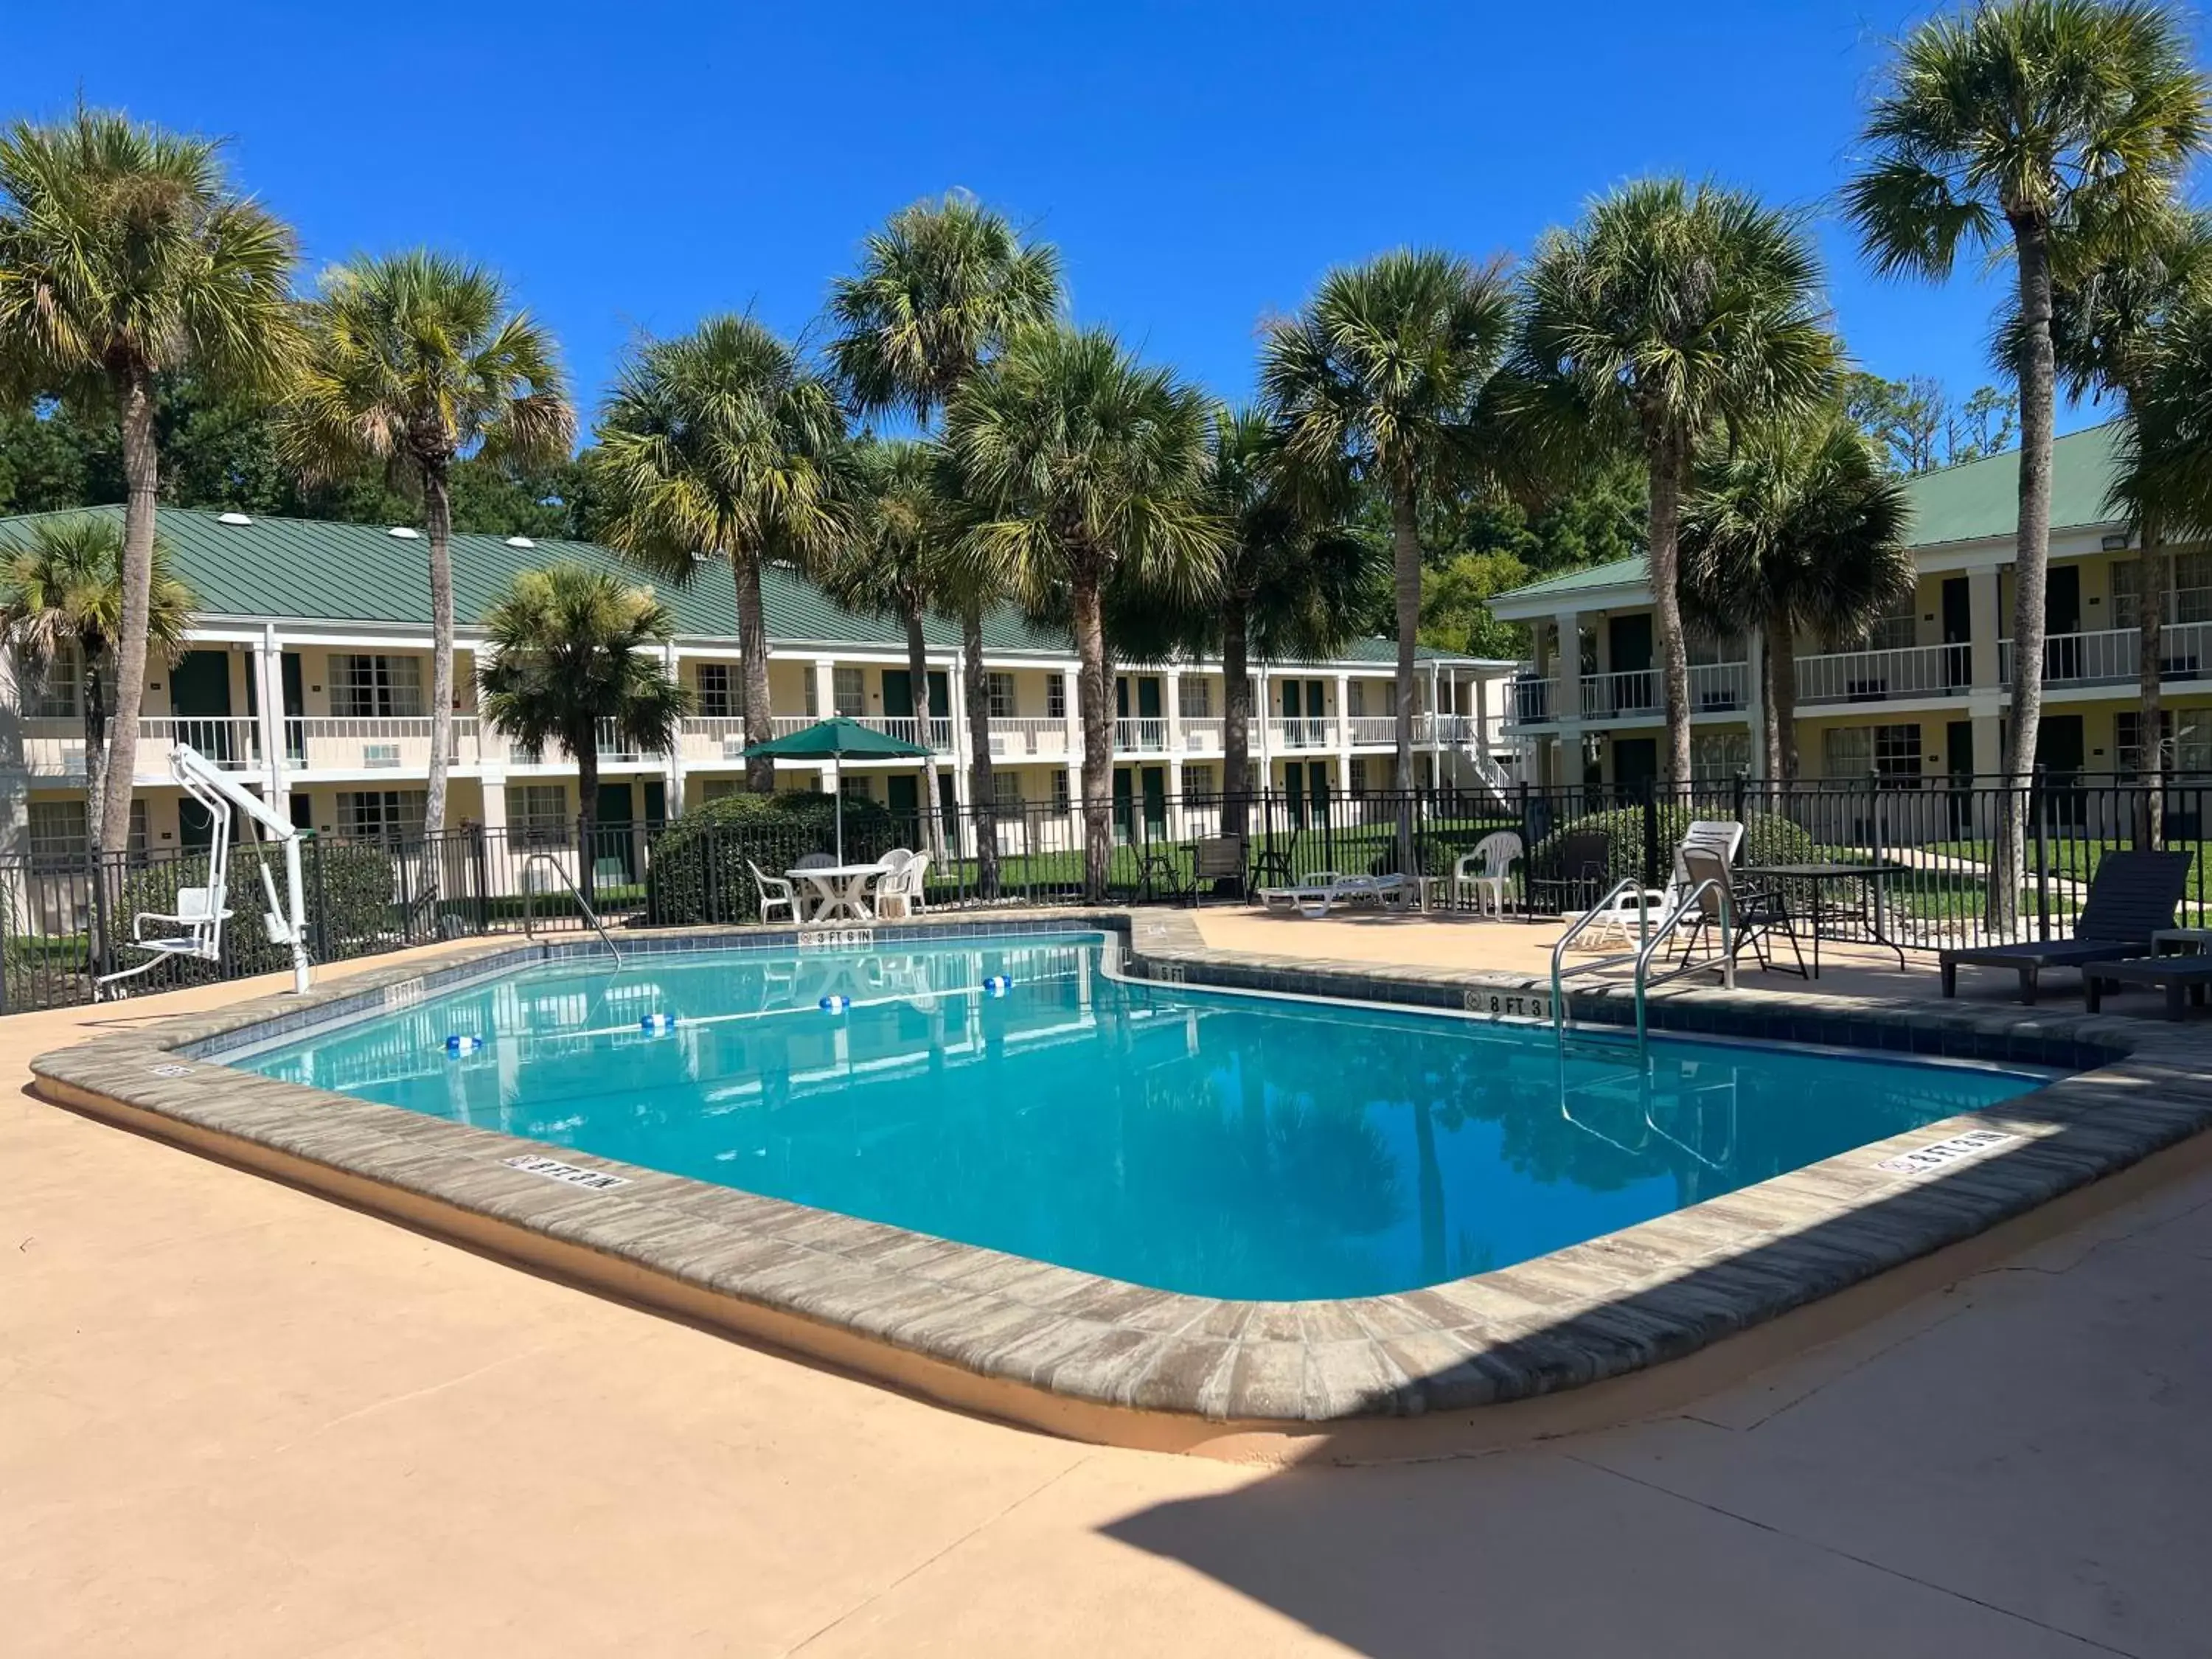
{"points": [[1297, 575], [899, 564], [1796, 529], [126, 253], [939, 290], [2112, 329], [61, 605], [415, 360], [1918, 428], [1391, 370], [2053, 129], [572, 653], [1084, 466], [1670, 312], [722, 443]]}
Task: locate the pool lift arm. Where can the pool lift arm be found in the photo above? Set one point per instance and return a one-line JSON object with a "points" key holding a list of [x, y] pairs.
{"points": [[202, 911]]}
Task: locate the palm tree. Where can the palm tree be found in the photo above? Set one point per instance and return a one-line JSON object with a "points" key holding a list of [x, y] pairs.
{"points": [[1298, 574], [940, 289], [61, 598], [1085, 465], [2112, 328], [721, 443], [415, 360], [125, 254], [1672, 310], [1798, 528], [897, 566], [572, 653], [1387, 370], [2055, 129]]}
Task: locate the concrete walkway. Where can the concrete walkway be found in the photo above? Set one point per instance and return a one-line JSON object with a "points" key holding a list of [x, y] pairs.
{"points": [[238, 1420]]}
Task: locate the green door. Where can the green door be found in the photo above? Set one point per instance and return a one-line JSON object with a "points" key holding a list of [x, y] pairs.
{"points": [[898, 694], [1123, 792], [614, 850], [1148, 697], [1121, 697], [1294, 793], [199, 695], [1155, 801], [295, 707], [656, 803], [904, 796]]}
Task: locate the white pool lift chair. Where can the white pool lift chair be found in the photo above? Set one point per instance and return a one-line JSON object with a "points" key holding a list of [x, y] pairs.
{"points": [[202, 911]]}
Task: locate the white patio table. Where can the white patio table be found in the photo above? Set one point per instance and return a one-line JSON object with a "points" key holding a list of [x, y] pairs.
{"points": [[840, 890]]}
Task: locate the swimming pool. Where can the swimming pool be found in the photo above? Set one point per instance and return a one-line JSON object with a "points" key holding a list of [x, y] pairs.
{"points": [[1016, 1093]]}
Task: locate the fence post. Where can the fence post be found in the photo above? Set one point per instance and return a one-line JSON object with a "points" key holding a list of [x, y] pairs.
{"points": [[480, 855], [103, 941], [2039, 796], [1742, 787], [1650, 832], [322, 912]]}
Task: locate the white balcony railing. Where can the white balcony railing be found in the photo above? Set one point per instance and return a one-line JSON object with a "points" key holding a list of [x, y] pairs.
{"points": [[2113, 656], [1302, 732], [1202, 734], [905, 727], [1372, 731], [1716, 687], [1020, 738], [333, 743], [1911, 671], [55, 748], [1627, 691], [1140, 737], [1533, 703]]}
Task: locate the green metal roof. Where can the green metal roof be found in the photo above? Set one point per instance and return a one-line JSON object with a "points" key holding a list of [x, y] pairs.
{"points": [[308, 570], [1973, 501]]}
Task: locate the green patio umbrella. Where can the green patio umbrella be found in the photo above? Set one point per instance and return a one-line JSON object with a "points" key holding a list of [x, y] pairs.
{"points": [[835, 741]]}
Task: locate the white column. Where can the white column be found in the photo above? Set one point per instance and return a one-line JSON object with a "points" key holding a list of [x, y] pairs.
{"points": [[1482, 715], [672, 762], [1171, 711], [1985, 616], [265, 662], [1261, 727], [1754, 702], [825, 688]]}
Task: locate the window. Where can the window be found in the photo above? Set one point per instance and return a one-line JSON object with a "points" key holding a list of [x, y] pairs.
{"points": [[1061, 799], [851, 690], [1055, 696], [1717, 757], [385, 815], [537, 814], [717, 691], [1195, 701], [58, 687], [1853, 752], [57, 834], [1358, 698], [813, 695], [1895, 631], [1198, 781], [1006, 791], [1359, 767], [2189, 601], [717, 789], [376, 688], [1000, 687], [2188, 751], [854, 786]]}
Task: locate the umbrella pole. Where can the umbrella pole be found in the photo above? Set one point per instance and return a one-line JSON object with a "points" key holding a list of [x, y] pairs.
{"points": [[837, 790]]}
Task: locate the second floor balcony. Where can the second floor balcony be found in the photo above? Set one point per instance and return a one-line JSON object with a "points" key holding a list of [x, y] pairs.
{"points": [[2113, 656], [1903, 672]]}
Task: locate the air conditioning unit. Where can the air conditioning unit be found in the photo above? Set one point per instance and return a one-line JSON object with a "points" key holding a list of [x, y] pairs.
{"points": [[379, 755], [733, 748]]}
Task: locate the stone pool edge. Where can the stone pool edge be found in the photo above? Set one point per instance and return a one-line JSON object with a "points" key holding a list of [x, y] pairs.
{"points": [[1102, 1359]]}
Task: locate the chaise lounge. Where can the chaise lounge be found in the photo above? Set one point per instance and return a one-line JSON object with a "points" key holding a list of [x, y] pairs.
{"points": [[2132, 896]]}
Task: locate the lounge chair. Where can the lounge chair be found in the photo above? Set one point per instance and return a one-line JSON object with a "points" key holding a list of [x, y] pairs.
{"points": [[1754, 914], [1322, 891], [1214, 860], [2132, 896]]}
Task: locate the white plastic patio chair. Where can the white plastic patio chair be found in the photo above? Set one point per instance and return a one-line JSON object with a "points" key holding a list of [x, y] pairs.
{"points": [[899, 893], [775, 890], [1487, 871]]}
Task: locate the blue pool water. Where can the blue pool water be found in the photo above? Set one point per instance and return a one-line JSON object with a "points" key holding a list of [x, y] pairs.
{"points": [[1199, 1141]]}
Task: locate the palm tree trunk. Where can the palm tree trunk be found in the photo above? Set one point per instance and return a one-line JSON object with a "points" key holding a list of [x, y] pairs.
{"points": [[1097, 737], [752, 658], [1235, 717], [95, 802], [917, 674], [586, 744], [2031, 561], [976, 695], [1406, 557], [142, 469], [438, 515], [1669, 454], [2150, 614], [1781, 702]]}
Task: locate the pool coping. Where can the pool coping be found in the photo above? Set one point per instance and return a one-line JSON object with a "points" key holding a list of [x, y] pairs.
{"points": [[1097, 1359]]}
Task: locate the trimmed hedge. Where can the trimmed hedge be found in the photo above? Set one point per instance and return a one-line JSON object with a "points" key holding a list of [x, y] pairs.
{"points": [[698, 873], [349, 895], [1768, 838]]}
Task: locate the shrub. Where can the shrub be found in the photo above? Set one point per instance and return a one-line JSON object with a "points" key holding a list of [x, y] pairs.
{"points": [[697, 871]]}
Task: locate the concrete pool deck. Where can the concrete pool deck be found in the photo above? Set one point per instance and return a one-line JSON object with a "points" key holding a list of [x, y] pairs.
{"points": [[457, 1453]]}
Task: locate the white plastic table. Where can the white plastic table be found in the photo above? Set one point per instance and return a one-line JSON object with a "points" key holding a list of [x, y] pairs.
{"points": [[840, 890]]}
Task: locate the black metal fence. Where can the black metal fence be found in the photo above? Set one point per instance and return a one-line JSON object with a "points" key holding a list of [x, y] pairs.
{"points": [[1932, 847]]}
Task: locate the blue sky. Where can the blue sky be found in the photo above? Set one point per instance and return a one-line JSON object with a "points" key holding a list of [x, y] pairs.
{"points": [[632, 167]]}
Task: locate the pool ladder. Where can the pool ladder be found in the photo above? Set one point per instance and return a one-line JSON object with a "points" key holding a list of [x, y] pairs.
{"points": [[529, 908], [1655, 935]]}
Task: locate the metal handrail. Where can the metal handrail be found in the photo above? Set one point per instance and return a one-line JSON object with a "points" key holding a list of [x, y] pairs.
{"points": [[1667, 923], [530, 907], [1627, 884]]}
